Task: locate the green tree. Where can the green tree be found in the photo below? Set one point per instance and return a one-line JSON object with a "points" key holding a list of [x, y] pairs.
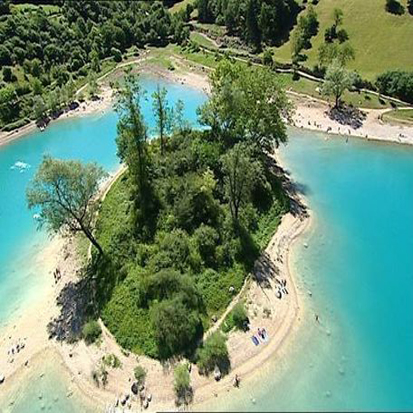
{"points": [[163, 115], [7, 74], [5, 56], [213, 353], [328, 52], [182, 385], [175, 326], [133, 150], [39, 108], [94, 61], [9, 104], [140, 374], [253, 31], [337, 81], [37, 87], [65, 192], [247, 104], [338, 17], [267, 59], [410, 6], [93, 87], [239, 169]]}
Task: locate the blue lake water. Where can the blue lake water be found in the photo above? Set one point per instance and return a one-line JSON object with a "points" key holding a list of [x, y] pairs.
{"points": [[359, 268], [359, 265]]}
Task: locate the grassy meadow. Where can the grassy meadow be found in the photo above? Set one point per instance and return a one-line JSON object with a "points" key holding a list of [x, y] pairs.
{"points": [[382, 41]]}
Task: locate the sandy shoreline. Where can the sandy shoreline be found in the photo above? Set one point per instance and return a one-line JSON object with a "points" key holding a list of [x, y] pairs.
{"points": [[311, 113]]}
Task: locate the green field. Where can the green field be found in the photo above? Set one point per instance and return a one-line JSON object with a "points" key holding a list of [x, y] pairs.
{"points": [[180, 5], [49, 9], [382, 41], [404, 117]]}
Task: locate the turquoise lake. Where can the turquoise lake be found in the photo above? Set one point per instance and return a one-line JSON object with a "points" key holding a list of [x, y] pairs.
{"points": [[358, 265], [359, 269]]}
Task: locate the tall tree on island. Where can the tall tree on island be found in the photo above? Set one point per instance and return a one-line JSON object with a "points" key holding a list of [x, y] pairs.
{"points": [[247, 104], [163, 115], [64, 192], [133, 150], [240, 172]]}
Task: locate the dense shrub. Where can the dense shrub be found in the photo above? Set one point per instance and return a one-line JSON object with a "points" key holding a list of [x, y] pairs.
{"points": [[213, 353], [396, 83], [91, 331], [182, 385], [140, 374], [237, 318]]}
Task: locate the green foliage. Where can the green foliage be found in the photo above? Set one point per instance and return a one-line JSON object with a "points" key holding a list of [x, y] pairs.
{"points": [[240, 171], [182, 385], [64, 192], [337, 81], [247, 104], [237, 318], [396, 83], [307, 28], [267, 58], [256, 21], [158, 293], [176, 326], [213, 353], [140, 374], [91, 331], [394, 7], [111, 360]]}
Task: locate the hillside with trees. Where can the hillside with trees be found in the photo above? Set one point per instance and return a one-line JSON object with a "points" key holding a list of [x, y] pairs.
{"points": [[47, 50]]}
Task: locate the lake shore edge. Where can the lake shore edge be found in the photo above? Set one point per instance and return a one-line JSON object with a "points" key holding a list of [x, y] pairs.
{"points": [[311, 113]]}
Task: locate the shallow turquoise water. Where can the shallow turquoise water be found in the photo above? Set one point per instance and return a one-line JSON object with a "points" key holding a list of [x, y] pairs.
{"points": [[89, 138], [359, 267]]}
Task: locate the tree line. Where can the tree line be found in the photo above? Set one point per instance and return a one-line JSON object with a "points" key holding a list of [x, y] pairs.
{"points": [[42, 51], [258, 22]]}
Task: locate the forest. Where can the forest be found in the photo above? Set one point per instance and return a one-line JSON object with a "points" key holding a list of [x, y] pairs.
{"points": [[47, 51]]}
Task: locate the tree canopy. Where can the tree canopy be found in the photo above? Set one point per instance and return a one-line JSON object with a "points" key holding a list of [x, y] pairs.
{"points": [[247, 104], [64, 193]]}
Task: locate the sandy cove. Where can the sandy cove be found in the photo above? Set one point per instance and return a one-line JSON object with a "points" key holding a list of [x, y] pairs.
{"points": [[312, 114]]}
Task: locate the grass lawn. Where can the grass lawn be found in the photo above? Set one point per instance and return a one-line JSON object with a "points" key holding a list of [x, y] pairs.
{"points": [[180, 5], [404, 117], [202, 40], [382, 41], [49, 9]]}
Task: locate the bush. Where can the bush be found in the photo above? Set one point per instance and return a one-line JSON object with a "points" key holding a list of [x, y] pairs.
{"points": [[140, 374], [396, 83], [394, 7], [237, 318], [91, 331], [15, 125], [213, 353], [267, 59], [111, 360], [182, 385], [117, 55]]}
